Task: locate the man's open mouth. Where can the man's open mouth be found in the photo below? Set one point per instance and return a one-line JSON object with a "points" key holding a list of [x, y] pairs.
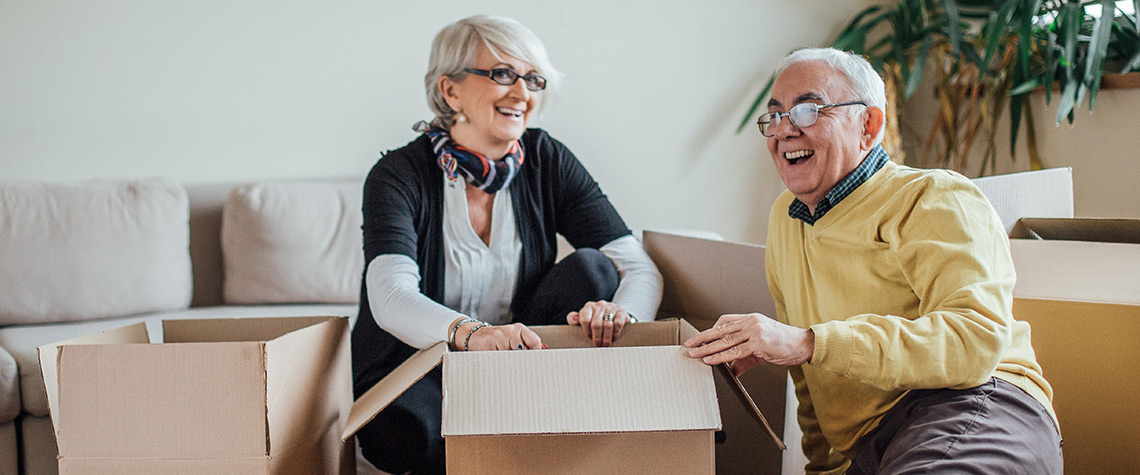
{"points": [[796, 156]]}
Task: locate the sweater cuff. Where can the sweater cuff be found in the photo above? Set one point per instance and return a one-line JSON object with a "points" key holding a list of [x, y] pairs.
{"points": [[834, 346]]}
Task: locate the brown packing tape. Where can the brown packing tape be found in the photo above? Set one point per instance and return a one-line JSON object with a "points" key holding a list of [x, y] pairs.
{"points": [[746, 399]]}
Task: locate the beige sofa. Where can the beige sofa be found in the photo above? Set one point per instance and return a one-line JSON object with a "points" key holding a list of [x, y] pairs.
{"points": [[79, 258]]}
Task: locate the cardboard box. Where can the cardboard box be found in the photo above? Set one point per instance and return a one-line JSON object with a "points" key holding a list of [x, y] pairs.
{"points": [[1078, 286], [705, 279], [642, 406], [1038, 194], [257, 395]]}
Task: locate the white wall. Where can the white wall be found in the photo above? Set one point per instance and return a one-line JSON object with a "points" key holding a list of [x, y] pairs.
{"points": [[212, 90]]}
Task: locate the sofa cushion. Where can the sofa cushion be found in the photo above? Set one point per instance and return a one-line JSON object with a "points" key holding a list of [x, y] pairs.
{"points": [[88, 250], [22, 340], [293, 242]]}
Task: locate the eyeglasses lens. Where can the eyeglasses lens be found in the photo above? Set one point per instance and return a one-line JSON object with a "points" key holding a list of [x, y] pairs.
{"points": [[505, 77], [535, 82], [804, 115]]}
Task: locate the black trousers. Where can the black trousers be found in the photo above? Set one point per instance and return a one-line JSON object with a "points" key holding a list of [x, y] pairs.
{"points": [[995, 428], [405, 437]]}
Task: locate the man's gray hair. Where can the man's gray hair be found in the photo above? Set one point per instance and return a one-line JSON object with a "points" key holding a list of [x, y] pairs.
{"points": [[866, 85], [457, 46]]}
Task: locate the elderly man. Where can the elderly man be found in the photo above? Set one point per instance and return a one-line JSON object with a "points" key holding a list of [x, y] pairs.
{"points": [[893, 290]]}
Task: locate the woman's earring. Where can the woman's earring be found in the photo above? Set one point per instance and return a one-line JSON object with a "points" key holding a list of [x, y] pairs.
{"points": [[460, 117]]}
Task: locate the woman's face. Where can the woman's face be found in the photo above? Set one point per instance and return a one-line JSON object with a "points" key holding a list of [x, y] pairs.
{"points": [[496, 114]]}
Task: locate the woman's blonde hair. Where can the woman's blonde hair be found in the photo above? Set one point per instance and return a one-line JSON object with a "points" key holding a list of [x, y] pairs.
{"points": [[457, 46]]}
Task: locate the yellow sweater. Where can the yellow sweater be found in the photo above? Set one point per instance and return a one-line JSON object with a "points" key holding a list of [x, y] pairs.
{"points": [[907, 283]]}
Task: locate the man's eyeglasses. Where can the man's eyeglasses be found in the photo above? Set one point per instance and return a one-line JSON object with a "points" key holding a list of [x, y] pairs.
{"points": [[508, 77], [801, 115]]}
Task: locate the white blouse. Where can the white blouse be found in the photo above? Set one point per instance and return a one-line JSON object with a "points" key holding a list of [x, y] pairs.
{"points": [[479, 279]]}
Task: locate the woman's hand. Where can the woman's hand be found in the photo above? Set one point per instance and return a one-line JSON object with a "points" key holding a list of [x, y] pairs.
{"points": [[515, 336], [601, 321], [748, 340]]}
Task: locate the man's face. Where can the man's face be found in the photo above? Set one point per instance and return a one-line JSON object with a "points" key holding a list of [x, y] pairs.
{"points": [[812, 160]]}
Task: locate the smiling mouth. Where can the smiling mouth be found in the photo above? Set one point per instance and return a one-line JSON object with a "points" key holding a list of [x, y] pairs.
{"points": [[514, 113], [796, 156]]}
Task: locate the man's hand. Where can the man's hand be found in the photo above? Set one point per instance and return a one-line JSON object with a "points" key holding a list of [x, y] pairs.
{"points": [[748, 340]]}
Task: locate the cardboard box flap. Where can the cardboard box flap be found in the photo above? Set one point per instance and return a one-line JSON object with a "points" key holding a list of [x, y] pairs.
{"points": [[234, 329], [638, 334], [177, 389], [369, 404], [749, 405], [571, 391], [1038, 193], [301, 385], [697, 286], [49, 359], [1077, 271], [1079, 229]]}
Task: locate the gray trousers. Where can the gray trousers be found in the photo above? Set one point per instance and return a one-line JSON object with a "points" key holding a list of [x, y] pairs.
{"points": [[995, 428]]}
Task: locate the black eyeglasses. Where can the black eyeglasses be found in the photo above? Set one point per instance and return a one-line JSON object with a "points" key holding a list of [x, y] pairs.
{"points": [[801, 115], [508, 77]]}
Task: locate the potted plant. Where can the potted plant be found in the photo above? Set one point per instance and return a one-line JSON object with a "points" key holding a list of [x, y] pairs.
{"points": [[986, 56]]}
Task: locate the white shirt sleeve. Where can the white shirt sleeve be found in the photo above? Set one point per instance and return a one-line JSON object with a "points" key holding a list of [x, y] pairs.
{"points": [[640, 288], [398, 306]]}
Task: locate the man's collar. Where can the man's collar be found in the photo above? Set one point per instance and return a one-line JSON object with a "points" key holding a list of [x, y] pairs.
{"points": [[874, 160]]}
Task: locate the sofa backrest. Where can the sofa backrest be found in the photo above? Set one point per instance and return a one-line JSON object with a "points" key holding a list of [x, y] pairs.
{"points": [[206, 204], [97, 249]]}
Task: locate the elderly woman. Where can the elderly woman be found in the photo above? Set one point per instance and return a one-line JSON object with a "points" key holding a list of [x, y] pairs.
{"points": [[459, 235]]}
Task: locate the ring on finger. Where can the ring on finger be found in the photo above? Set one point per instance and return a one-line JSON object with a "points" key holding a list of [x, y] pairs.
{"points": [[520, 346], [608, 317]]}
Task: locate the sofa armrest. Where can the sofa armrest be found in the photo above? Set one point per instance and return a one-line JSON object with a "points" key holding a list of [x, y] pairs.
{"points": [[9, 387]]}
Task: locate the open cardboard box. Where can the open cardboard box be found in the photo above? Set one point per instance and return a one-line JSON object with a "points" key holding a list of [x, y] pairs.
{"points": [[641, 406], [255, 395], [1078, 286]]}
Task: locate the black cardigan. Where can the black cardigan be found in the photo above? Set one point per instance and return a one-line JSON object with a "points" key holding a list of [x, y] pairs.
{"points": [[403, 214]]}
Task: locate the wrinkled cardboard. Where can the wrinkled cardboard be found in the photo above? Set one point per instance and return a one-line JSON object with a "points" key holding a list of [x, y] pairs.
{"points": [[1078, 286], [641, 406], [216, 396]]}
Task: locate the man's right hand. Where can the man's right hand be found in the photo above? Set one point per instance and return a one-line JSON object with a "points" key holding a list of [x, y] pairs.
{"points": [[748, 340]]}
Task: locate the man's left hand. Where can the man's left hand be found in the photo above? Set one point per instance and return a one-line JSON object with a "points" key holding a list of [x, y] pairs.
{"points": [[748, 340]]}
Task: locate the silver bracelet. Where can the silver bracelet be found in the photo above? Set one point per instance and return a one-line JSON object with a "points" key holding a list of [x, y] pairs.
{"points": [[454, 328], [467, 340]]}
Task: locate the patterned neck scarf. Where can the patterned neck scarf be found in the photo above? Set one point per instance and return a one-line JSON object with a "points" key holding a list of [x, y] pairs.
{"points": [[487, 175]]}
